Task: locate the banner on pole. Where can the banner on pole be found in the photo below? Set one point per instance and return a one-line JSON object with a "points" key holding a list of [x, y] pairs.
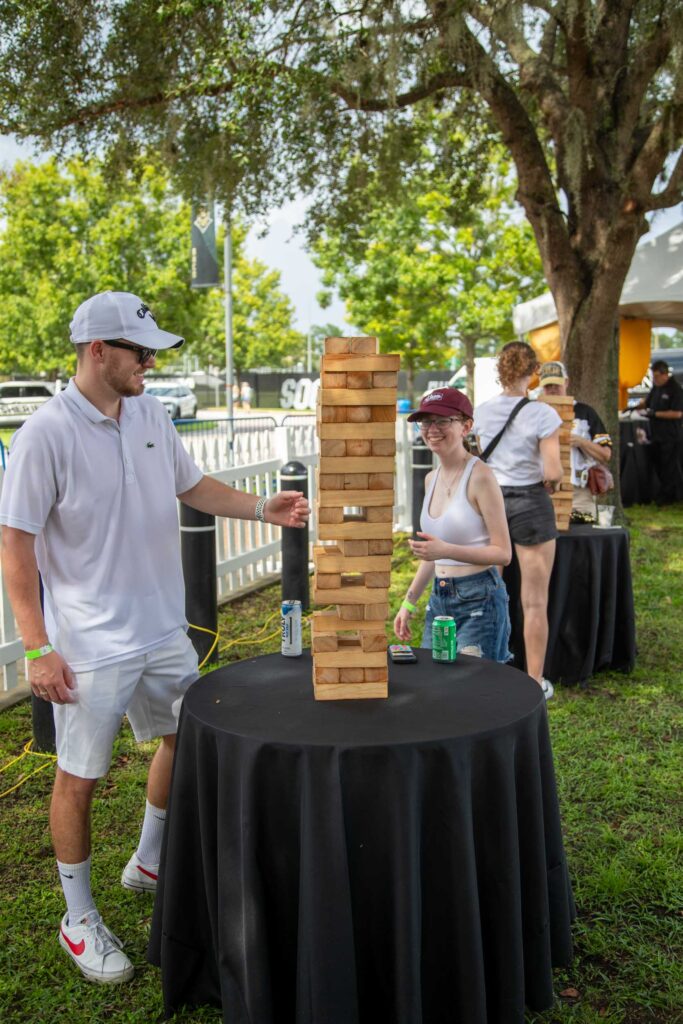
{"points": [[204, 261]]}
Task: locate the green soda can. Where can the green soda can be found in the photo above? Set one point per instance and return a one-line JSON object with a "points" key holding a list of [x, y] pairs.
{"points": [[443, 639]]}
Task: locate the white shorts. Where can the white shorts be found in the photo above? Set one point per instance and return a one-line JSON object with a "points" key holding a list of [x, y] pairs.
{"points": [[149, 688]]}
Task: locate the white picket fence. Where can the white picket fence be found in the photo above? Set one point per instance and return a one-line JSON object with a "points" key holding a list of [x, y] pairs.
{"points": [[247, 454]]}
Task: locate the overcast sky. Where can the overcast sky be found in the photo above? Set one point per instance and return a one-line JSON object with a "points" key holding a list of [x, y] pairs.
{"points": [[280, 248]]}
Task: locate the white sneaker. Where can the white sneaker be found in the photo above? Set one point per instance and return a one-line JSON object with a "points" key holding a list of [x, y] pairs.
{"points": [[95, 950], [548, 688], [140, 877]]}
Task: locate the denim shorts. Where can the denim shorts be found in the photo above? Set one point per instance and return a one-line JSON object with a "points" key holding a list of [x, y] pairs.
{"points": [[479, 605], [530, 514]]}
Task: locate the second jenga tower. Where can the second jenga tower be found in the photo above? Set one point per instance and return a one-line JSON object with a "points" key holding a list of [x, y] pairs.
{"points": [[562, 499], [356, 416]]}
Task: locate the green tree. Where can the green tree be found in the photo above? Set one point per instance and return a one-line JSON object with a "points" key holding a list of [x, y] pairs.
{"points": [[433, 276], [260, 98], [70, 231]]}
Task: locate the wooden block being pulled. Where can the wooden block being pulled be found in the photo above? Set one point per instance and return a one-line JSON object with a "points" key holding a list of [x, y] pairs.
{"points": [[376, 431], [357, 464], [383, 446], [382, 364], [361, 396], [350, 691], [362, 498]]}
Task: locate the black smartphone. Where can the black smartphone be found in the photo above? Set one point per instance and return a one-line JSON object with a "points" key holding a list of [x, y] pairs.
{"points": [[401, 652]]}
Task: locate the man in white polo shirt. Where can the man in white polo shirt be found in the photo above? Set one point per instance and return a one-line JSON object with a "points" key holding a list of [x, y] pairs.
{"points": [[89, 501]]}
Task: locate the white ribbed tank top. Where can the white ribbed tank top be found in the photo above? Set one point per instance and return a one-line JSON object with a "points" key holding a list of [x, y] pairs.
{"points": [[459, 524]]}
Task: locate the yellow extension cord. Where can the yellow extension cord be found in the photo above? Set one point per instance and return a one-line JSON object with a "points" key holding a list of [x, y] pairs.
{"points": [[27, 752]]}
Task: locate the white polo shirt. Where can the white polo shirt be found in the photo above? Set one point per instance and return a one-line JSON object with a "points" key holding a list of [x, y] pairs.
{"points": [[101, 498]]}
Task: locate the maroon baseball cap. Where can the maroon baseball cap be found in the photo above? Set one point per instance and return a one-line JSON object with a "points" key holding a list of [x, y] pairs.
{"points": [[443, 402]]}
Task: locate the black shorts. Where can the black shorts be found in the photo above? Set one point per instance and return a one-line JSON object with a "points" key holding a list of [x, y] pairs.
{"points": [[530, 514]]}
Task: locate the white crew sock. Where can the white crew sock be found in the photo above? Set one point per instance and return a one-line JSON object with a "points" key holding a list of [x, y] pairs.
{"points": [[149, 847], [75, 879]]}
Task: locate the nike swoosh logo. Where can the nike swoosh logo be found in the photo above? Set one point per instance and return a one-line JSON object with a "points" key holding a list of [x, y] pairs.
{"points": [[75, 947], [150, 874]]}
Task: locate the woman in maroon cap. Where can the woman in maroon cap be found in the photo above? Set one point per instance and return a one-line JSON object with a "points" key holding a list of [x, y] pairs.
{"points": [[464, 536]]}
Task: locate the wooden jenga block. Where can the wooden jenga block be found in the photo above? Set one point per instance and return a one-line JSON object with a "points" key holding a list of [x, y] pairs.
{"points": [[357, 413], [383, 413], [358, 379], [358, 447], [379, 481], [355, 548], [352, 659], [362, 498], [373, 641], [355, 595], [325, 674], [376, 675], [350, 612], [355, 531], [353, 464], [330, 623], [355, 482], [332, 380], [334, 346], [359, 431], [350, 691], [351, 675], [327, 581], [365, 346], [382, 446], [376, 612], [324, 643], [381, 547], [377, 579], [383, 514], [330, 515], [360, 396], [331, 482], [333, 414], [384, 380], [335, 447], [331, 559], [345, 362]]}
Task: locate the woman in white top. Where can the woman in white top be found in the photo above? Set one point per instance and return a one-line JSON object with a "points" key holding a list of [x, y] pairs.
{"points": [[464, 536], [526, 462]]}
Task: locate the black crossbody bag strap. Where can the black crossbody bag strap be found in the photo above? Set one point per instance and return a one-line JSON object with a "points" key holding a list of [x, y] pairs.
{"points": [[493, 443]]}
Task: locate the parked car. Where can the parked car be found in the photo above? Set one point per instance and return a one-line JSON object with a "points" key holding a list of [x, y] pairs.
{"points": [[19, 398], [179, 401]]}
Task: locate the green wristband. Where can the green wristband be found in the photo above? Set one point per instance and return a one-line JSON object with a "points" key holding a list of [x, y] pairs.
{"points": [[409, 607], [39, 652]]}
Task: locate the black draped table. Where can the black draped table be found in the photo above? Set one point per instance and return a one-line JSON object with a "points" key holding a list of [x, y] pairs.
{"points": [[392, 861], [591, 618]]}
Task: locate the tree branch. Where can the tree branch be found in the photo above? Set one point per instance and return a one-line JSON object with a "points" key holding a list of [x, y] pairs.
{"points": [[673, 193]]}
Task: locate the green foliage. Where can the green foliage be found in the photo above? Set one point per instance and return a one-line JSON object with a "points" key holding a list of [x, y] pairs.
{"points": [[617, 763], [71, 230], [430, 273]]}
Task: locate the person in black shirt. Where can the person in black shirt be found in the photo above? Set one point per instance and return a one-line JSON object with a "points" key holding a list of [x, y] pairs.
{"points": [[664, 408]]}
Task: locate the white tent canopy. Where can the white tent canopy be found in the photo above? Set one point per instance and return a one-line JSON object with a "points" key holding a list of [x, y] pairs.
{"points": [[653, 289]]}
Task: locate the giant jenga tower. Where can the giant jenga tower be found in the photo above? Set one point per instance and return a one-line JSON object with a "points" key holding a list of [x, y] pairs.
{"points": [[356, 416], [562, 499]]}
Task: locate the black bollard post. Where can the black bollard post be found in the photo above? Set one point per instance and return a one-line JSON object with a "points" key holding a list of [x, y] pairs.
{"points": [[198, 553], [42, 715], [293, 477], [421, 465]]}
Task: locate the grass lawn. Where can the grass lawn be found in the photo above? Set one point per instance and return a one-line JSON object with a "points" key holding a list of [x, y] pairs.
{"points": [[618, 762]]}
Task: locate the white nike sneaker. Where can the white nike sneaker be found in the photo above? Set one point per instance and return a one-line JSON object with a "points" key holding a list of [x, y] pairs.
{"points": [[140, 877], [95, 950]]}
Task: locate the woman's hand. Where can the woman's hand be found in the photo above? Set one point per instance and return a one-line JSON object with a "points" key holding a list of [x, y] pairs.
{"points": [[402, 625], [430, 548]]}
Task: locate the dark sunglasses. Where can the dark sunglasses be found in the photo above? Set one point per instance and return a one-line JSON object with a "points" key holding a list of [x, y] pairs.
{"points": [[143, 354]]}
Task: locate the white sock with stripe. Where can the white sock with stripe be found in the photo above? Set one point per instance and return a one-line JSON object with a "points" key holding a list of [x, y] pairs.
{"points": [[75, 879], [149, 847]]}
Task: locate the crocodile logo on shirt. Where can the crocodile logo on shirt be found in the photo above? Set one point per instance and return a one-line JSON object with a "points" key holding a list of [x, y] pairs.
{"points": [[150, 444]]}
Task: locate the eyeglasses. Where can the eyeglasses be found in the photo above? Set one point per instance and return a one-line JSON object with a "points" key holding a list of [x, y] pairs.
{"points": [[440, 424], [143, 354]]}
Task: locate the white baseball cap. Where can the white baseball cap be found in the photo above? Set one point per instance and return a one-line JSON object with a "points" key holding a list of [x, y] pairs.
{"points": [[108, 316]]}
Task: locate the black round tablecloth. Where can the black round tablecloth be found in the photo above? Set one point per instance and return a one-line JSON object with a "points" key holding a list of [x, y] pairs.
{"points": [[591, 617], [393, 861]]}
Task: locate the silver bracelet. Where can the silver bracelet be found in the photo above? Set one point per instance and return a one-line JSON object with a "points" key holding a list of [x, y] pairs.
{"points": [[258, 511]]}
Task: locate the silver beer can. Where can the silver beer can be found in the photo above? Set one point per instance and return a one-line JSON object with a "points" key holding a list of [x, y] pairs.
{"points": [[291, 628]]}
